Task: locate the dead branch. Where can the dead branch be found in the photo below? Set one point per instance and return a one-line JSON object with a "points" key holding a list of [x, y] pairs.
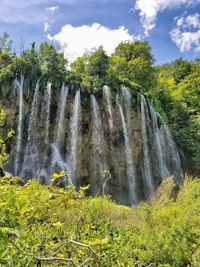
{"points": [[67, 260], [103, 192]]}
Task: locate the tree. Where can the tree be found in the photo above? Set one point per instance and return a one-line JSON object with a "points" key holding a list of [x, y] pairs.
{"points": [[98, 63], [5, 43], [180, 69], [91, 70], [178, 92], [134, 61], [52, 64]]}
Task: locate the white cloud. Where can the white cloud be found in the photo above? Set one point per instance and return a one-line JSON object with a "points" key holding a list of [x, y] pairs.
{"points": [[52, 9], [77, 40], [186, 34], [149, 9]]}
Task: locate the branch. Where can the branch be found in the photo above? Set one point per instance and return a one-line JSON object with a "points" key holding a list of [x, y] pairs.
{"points": [[47, 259], [71, 241], [86, 246], [103, 191], [87, 260], [39, 259], [77, 224]]}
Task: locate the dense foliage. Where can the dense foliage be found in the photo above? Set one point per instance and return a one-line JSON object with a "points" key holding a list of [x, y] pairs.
{"points": [[47, 226], [174, 87], [178, 93], [4, 137]]}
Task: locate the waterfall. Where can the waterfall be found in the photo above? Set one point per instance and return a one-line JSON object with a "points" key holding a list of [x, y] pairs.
{"points": [[107, 97], [57, 163], [74, 127], [171, 154], [34, 112], [163, 171], [112, 133], [48, 103], [127, 96], [98, 143], [19, 126], [31, 163], [129, 160], [61, 114], [146, 166]]}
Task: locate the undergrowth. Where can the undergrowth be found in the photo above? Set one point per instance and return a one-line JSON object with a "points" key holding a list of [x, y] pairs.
{"points": [[49, 226]]}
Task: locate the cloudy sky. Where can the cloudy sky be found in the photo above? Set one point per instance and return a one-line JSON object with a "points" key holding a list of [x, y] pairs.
{"points": [[172, 27]]}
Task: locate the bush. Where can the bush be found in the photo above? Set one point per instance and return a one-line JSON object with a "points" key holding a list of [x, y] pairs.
{"points": [[64, 224]]}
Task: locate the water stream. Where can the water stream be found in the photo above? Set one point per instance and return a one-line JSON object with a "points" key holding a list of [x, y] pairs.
{"points": [[19, 87]]}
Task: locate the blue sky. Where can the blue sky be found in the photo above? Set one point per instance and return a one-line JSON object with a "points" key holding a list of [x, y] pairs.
{"points": [[172, 27]]}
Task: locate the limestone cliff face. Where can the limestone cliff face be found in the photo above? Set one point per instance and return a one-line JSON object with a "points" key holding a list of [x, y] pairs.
{"points": [[86, 134]]}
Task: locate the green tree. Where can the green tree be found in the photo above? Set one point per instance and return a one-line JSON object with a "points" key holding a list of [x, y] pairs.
{"points": [[134, 61], [78, 74], [98, 63], [52, 64], [180, 69], [91, 70], [178, 92], [5, 43]]}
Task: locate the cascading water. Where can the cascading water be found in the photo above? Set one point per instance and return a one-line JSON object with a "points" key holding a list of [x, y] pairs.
{"points": [[146, 165], [171, 154], [58, 164], [34, 112], [163, 171], [31, 163], [19, 87], [131, 142], [131, 175], [107, 96], [74, 127], [61, 114], [48, 103], [98, 143], [127, 97]]}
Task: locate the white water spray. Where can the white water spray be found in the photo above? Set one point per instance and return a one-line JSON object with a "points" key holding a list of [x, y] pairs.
{"points": [[74, 127], [19, 126], [146, 168], [48, 103], [129, 160]]}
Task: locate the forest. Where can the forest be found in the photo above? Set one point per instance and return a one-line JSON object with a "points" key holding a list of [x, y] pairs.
{"points": [[48, 225]]}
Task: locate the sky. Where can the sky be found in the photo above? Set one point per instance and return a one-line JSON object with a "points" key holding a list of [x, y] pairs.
{"points": [[172, 27]]}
